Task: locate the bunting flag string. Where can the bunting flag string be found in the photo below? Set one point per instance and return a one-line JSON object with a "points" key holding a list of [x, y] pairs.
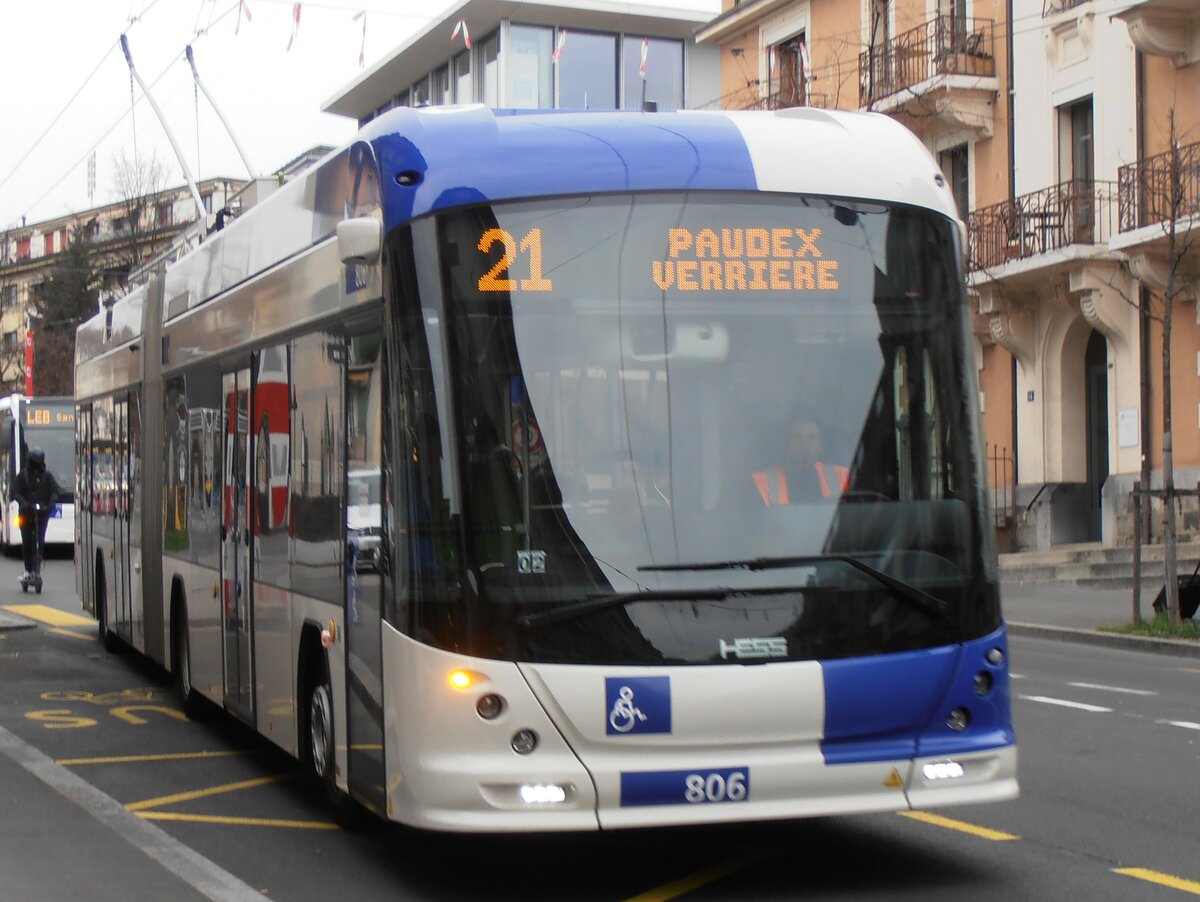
{"points": [[243, 10], [295, 24], [558, 48], [362, 48], [645, 56], [462, 26]]}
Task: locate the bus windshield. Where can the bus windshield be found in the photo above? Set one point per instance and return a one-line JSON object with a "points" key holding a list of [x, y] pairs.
{"points": [[51, 427], [696, 428]]}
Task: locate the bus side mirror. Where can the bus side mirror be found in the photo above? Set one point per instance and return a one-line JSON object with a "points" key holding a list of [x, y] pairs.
{"points": [[359, 239]]}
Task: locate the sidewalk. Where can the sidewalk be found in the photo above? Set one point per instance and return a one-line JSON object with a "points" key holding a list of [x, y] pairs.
{"points": [[1071, 613]]}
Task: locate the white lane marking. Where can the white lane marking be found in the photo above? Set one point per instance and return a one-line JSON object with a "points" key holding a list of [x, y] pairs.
{"points": [[1065, 704], [1016, 676], [1112, 688], [1186, 724]]}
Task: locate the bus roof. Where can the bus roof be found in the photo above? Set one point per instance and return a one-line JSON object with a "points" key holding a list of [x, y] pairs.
{"points": [[473, 154], [436, 158]]}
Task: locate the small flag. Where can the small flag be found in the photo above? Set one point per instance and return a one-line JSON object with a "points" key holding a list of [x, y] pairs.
{"points": [[645, 55], [362, 48], [558, 48], [243, 10], [805, 63], [772, 56], [462, 26], [295, 24]]}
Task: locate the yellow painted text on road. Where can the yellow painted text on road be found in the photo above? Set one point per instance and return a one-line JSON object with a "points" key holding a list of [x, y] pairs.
{"points": [[961, 826], [46, 614]]}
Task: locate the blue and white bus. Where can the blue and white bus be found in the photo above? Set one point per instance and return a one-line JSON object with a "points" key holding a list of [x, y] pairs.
{"points": [[568, 343], [47, 423]]}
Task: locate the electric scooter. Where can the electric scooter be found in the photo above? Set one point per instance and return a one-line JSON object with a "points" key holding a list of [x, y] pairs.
{"points": [[34, 577]]}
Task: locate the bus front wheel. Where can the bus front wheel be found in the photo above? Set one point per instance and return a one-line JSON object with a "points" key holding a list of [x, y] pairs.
{"points": [[321, 749]]}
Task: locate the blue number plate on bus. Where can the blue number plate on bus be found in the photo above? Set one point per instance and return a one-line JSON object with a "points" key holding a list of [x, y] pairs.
{"points": [[685, 787]]}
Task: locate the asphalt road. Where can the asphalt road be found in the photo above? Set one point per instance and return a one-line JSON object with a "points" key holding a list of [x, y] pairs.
{"points": [[1108, 743]]}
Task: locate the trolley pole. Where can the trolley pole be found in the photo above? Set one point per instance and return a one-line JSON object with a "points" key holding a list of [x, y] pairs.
{"points": [[187, 172]]}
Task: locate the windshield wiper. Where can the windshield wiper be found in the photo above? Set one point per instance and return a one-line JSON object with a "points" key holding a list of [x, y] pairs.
{"points": [[601, 602], [909, 594]]}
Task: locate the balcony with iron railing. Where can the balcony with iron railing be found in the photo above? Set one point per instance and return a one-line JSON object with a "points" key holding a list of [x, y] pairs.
{"points": [[1078, 212], [916, 60], [1160, 188]]}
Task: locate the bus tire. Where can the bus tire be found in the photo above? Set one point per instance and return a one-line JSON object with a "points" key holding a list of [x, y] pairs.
{"points": [[321, 743], [181, 660], [107, 638]]}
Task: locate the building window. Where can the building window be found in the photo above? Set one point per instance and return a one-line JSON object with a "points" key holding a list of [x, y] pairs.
{"points": [[420, 93], [489, 54], [790, 73], [163, 215], [663, 83], [23, 248], [587, 72], [10, 342], [1075, 161], [462, 78], [530, 75], [440, 93], [954, 167]]}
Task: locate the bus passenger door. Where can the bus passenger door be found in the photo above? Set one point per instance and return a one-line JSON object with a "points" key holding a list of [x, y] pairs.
{"points": [[236, 542], [122, 621], [367, 567], [83, 508]]}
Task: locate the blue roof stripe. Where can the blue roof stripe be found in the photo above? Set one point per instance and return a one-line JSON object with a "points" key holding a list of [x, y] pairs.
{"points": [[476, 154]]}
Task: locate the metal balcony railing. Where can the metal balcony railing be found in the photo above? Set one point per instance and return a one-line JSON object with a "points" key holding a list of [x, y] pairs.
{"points": [[1075, 212], [945, 45], [1160, 188]]}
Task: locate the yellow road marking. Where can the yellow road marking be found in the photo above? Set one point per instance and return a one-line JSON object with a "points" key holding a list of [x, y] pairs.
{"points": [[237, 821], [137, 759], [47, 614], [962, 826], [700, 878], [90, 637], [204, 793], [1187, 886]]}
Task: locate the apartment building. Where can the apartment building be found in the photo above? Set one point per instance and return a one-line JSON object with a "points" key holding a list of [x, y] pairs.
{"points": [[1051, 121], [121, 236]]}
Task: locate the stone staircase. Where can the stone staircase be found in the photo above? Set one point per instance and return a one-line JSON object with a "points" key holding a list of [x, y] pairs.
{"points": [[1092, 565]]}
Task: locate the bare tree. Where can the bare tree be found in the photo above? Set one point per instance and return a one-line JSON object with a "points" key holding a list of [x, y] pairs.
{"points": [[138, 186], [1179, 204]]}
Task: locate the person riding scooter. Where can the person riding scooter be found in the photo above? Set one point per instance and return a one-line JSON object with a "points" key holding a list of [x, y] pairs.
{"points": [[36, 493]]}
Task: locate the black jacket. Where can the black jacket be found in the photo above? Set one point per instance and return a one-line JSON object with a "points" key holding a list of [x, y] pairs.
{"points": [[30, 488]]}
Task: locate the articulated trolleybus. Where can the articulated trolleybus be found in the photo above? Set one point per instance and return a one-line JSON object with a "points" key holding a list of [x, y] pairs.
{"points": [[570, 348], [47, 423]]}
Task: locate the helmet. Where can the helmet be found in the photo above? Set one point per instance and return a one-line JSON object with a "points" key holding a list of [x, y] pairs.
{"points": [[37, 459]]}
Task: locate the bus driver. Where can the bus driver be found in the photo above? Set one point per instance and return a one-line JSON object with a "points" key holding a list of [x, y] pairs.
{"points": [[802, 477]]}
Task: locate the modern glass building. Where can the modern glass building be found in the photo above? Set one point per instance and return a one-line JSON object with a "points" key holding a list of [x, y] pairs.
{"points": [[544, 55]]}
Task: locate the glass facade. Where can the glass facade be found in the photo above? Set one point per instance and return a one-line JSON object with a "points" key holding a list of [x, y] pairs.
{"points": [[514, 67], [662, 84]]}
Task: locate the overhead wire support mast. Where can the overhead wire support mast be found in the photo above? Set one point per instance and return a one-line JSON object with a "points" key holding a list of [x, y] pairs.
{"points": [[236, 143], [187, 172]]}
